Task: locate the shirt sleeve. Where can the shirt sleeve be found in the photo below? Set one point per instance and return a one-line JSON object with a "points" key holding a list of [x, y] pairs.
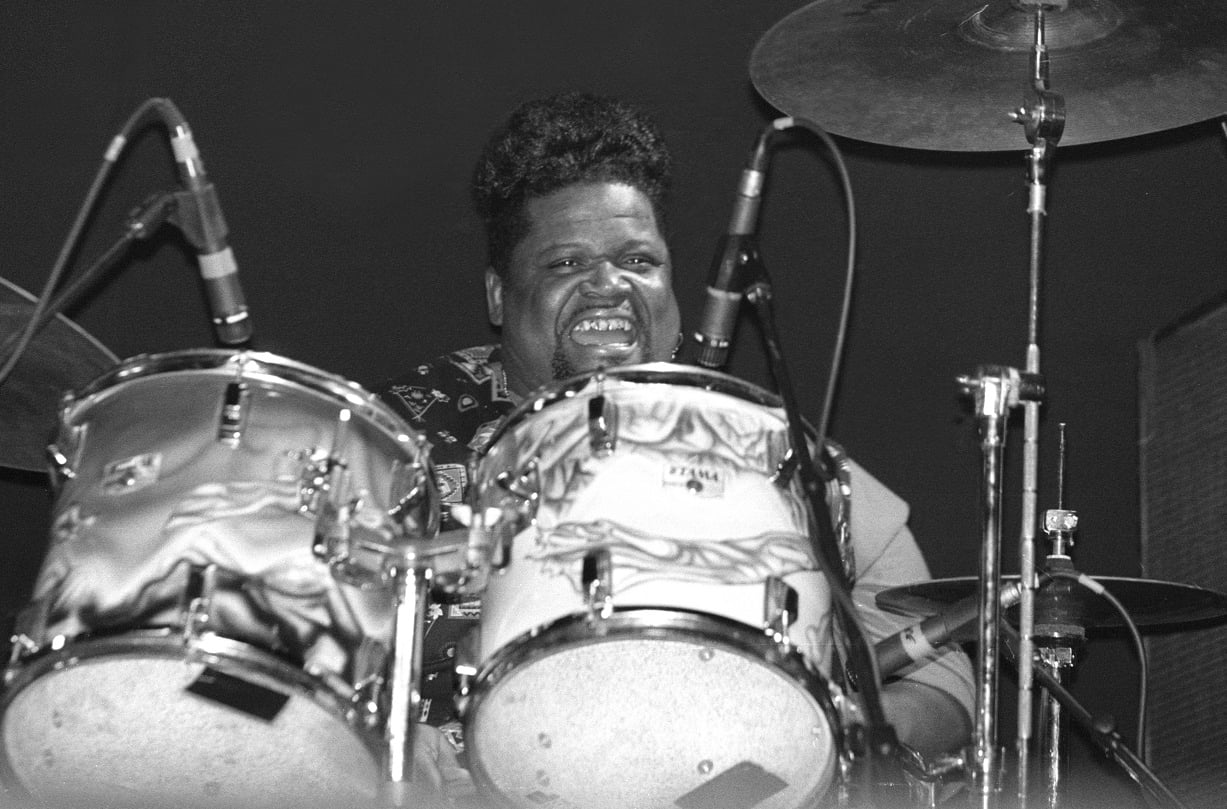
{"points": [[887, 556]]}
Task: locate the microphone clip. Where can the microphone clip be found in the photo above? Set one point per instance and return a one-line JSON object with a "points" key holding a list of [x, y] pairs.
{"points": [[198, 214]]}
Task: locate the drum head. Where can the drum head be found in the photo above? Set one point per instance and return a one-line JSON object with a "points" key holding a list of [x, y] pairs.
{"points": [[110, 723], [646, 711]]}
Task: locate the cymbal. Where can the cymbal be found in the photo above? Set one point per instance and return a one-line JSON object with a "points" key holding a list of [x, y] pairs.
{"points": [[61, 357], [1151, 604], [946, 74]]}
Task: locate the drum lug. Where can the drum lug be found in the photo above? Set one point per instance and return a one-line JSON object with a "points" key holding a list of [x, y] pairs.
{"points": [[415, 510], [21, 646], [524, 486], [367, 697], [233, 417], [597, 573], [59, 468], [201, 585], [780, 603], [602, 426], [466, 671], [509, 518], [784, 470], [63, 456], [314, 480]]}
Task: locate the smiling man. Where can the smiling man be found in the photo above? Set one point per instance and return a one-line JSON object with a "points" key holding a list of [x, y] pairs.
{"points": [[572, 191]]}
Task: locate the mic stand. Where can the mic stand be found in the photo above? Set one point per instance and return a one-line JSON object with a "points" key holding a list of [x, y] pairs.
{"points": [[879, 736], [141, 224]]}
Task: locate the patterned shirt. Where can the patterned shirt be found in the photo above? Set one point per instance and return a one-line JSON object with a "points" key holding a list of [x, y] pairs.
{"points": [[455, 402]]}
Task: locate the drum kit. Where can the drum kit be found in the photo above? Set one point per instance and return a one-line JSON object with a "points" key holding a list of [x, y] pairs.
{"points": [[243, 548]]}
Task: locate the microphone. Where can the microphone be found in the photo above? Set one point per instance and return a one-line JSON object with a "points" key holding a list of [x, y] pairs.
{"points": [[735, 262], [921, 640], [199, 215]]}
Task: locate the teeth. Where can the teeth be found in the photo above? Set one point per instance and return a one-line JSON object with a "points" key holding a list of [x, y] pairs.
{"points": [[605, 324]]}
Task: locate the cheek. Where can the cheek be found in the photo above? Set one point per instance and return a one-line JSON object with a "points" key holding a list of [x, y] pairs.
{"points": [[536, 309], [662, 302]]}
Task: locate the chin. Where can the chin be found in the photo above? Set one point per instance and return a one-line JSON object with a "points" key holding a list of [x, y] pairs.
{"points": [[590, 359]]}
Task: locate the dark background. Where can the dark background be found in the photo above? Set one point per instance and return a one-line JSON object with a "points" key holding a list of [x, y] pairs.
{"points": [[341, 138]]}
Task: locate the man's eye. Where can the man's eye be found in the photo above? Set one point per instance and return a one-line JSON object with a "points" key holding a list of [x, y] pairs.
{"points": [[565, 264], [641, 263]]}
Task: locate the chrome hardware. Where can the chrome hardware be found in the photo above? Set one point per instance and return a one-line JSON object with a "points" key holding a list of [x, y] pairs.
{"points": [[233, 415], [59, 468], [314, 479], [201, 585], [597, 577], [780, 604], [525, 486], [839, 495], [21, 646], [322, 469], [64, 455], [784, 470], [332, 530], [839, 498], [414, 511], [602, 427], [500, 524], [467, 655]]}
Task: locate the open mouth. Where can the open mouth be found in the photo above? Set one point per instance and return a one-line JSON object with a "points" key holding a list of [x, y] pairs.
{"points": [[605, 329]]}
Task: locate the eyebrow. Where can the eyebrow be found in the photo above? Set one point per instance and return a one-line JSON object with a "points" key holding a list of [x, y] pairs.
{"points": [[632, 244]]}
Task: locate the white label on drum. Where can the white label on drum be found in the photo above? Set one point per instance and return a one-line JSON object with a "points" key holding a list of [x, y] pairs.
{"points": [[705, 481], [131, 474]]}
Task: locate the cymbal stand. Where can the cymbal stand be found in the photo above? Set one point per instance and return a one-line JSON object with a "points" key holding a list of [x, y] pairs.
{"points": [[1103, 734], [1043, 118], [1059, 632], [996, 390]]}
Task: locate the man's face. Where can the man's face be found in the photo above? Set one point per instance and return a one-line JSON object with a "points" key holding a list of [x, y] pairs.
{"points": [[589, 286]]}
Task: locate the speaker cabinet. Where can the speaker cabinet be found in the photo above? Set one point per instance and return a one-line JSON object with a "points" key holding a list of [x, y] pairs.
{"points": [[1183, 478]]}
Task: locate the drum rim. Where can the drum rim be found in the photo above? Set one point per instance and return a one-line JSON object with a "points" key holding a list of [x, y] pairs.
{"points": [[668, 374], [363, 402], [209, 649], [213, 650], [627, 623]]}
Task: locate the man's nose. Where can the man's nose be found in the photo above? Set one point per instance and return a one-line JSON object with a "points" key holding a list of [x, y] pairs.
{"points": [[606, 275]]}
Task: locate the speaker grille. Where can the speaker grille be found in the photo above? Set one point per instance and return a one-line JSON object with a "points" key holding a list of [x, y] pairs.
{"points": [[1183, 476]]}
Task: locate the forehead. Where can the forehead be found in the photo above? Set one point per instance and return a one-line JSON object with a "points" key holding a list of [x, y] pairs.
{"points": [[588, 212]]}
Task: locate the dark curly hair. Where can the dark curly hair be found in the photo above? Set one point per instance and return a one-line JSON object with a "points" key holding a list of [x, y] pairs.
{"points": [[554, 142]]}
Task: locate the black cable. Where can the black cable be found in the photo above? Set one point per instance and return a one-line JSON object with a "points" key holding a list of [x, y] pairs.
{"points": [[841, 331], [1106, 737], [71, 241], [1143, 665], [863, 661]]}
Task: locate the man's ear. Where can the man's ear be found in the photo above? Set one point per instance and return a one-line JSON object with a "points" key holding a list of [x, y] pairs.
{"points": [[494, 296]]}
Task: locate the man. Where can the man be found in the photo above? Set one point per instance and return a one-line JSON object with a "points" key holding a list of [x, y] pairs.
{"points": [[572, 192]]}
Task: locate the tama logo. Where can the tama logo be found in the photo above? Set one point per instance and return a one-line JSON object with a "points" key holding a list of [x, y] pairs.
{"points": [[705, 481]]}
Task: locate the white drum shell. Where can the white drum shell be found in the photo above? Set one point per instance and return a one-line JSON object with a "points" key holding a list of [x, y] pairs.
{"points": [[157, 487], [682, 688]]}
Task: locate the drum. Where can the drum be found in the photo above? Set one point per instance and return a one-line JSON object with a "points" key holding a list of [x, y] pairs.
{"points": [[653, 628], [210, 626]]}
